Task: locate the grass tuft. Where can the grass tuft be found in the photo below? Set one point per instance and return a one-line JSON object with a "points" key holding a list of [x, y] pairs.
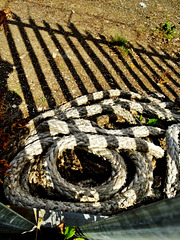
{"points": [[119, 40]]}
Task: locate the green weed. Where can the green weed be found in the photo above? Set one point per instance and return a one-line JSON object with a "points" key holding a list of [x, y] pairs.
{"points": [[119, 40], [151, 121], [166, 31], [69, 232]]}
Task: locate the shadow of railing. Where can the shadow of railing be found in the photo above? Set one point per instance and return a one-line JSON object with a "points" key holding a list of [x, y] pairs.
{"points": [[138, 73], [97, 50], [21, 75], [110, 60]]}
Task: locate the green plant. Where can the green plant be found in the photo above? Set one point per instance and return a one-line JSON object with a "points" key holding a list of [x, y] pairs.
{"points": [[152, 121], [166, 30], [69, 232], [119, 40]]}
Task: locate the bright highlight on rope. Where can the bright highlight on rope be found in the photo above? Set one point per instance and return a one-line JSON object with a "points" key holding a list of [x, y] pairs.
{"points": [[106, 124]]}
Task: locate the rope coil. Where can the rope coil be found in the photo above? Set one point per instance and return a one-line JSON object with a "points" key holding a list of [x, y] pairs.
{"points": [[78, 125]]}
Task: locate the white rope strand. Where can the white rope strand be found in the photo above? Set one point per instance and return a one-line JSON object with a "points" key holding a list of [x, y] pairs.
{"points": [[84, 124]]}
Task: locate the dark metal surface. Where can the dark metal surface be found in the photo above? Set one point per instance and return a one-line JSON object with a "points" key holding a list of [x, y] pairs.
{"points": [[11, 222], [160, 220]]}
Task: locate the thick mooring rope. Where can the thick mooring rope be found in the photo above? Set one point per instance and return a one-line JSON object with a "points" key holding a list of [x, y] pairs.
{"points": [[74, 126]]}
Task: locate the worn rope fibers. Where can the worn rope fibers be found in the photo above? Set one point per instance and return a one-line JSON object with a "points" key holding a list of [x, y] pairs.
{"points": [[83, 124]]}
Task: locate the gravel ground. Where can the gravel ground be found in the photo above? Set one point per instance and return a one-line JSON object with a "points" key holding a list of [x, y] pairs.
{"points": [[57, 50]]}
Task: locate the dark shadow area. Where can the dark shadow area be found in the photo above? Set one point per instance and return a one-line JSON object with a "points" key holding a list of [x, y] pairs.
{"points": [[43, 234], [36, 65], [84, 168], [99, 64], [21, 75], [67, 60], [130, 70], [140, 51], [111, 61], [162, 69], [176, 61], [83, 41], [51, 61], [84, 64], [9, 113], [149, 79], [9, 100], [163, 59]]}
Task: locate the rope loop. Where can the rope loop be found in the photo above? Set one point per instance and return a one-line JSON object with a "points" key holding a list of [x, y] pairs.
{"points": [[108, 126]]}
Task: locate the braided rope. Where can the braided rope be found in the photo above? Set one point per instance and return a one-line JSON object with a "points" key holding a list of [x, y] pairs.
{"points": [[73, 126], [173, 161]]}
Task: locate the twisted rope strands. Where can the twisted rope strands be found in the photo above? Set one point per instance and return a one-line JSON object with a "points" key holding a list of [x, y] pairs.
{"points": [[173, 159], [72, 126]]}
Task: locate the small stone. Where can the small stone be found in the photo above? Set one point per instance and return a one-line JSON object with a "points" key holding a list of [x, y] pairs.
{"points": [[142, 4], [54, 54]]}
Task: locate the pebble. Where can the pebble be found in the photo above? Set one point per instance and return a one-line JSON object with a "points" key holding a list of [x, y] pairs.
{"points": [[142, 4]]}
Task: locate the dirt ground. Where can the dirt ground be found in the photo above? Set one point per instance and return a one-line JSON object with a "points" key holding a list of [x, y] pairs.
{"points": [[57, 50]]}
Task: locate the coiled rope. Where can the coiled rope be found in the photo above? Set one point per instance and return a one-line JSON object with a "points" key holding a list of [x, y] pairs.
{"points": [[73, 126]]}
